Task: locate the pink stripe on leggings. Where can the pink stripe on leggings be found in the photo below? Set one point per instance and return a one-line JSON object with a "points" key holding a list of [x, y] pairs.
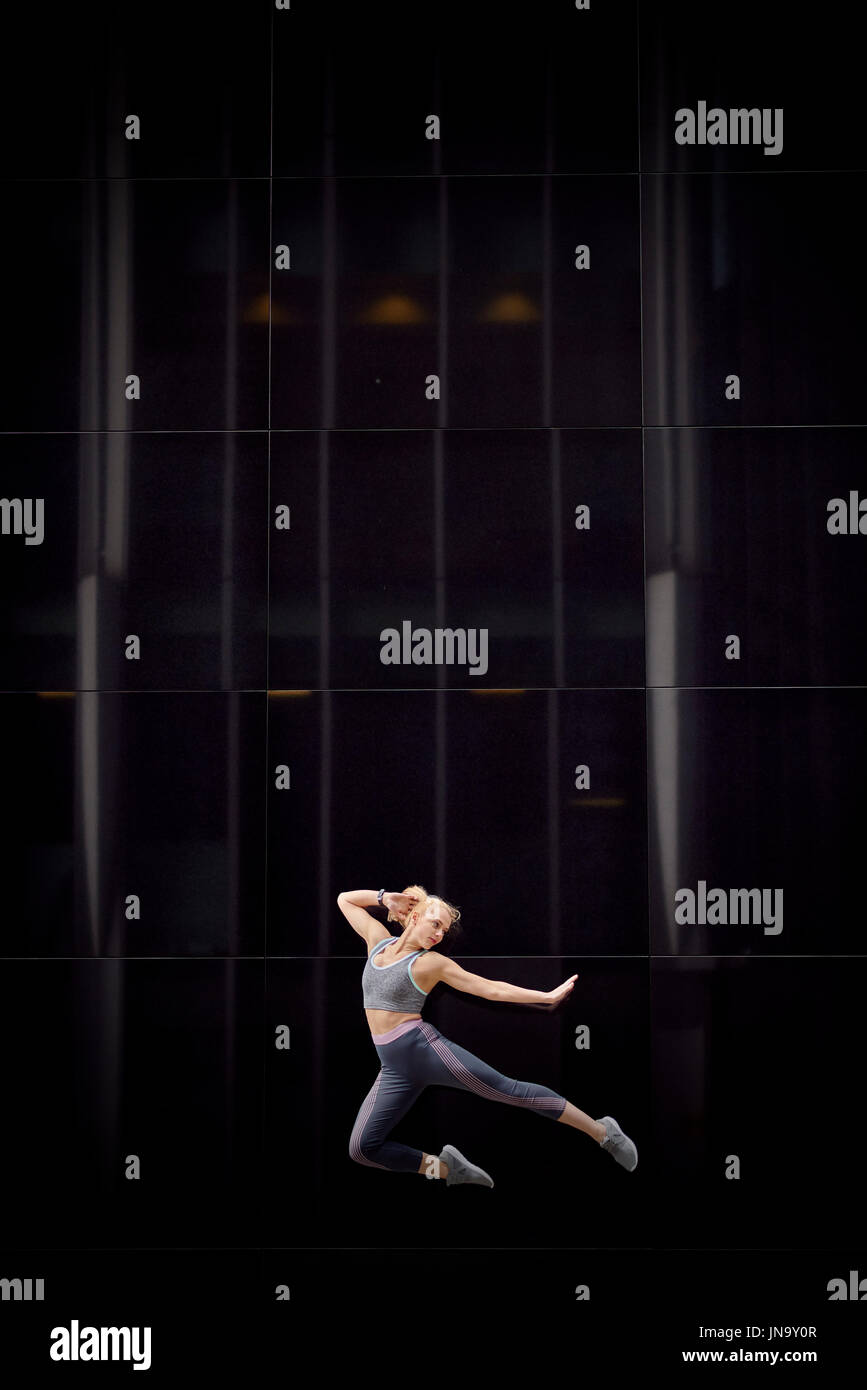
{"points": [[358, 1128], [472, 1083]]}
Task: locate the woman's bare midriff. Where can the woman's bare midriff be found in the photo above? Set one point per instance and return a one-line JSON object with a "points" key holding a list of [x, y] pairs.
{"points": [[383, 1020]]}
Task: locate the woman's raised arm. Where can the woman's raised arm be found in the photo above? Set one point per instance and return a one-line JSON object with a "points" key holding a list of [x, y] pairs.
{"points": [[353, 905]]}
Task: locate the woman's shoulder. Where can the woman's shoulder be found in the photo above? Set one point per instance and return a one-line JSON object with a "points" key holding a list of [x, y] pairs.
{"points": [[428, 968]]}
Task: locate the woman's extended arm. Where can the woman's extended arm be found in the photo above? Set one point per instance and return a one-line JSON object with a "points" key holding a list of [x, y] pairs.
{"points": [[450, 973]]}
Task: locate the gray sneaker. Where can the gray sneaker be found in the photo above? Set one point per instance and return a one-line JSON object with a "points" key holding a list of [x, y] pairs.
{"points": [[618, 1144], [461, 1170]]}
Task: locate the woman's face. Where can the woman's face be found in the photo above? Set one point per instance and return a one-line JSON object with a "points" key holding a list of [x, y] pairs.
{"points": [[430, 923]]}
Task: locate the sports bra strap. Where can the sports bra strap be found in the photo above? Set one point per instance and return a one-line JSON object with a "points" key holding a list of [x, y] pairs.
{"points": [[379, 945], [387, 940]]}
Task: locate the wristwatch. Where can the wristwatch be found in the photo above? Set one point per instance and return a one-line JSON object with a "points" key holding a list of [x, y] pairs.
{"points": [[380, 896]]}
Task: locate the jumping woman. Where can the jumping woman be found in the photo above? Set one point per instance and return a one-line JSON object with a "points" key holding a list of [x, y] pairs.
{"points": [[399, 975]]}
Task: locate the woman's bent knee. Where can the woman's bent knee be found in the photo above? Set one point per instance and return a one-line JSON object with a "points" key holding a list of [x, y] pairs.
{"points": [[362, 1150]]}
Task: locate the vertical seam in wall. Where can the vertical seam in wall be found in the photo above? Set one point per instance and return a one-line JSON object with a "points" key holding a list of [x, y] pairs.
{"points": [[263, 1166], [649, 1065]]}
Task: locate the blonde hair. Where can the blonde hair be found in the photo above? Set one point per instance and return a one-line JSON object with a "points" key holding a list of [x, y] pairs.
{"points": [[425, 897]]}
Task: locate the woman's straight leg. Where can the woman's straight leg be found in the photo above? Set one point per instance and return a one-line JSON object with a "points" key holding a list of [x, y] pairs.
{"points": [[452, 1065]]}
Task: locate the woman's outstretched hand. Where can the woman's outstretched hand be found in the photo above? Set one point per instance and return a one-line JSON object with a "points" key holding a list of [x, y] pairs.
{"points": [[401, 903], [563, 991]]}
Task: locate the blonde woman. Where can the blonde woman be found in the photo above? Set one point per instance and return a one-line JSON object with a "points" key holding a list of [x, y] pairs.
{"points": [[398, 977]]}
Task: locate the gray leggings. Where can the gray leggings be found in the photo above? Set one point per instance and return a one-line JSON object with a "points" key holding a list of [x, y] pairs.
{"points": [[415, 1055]]}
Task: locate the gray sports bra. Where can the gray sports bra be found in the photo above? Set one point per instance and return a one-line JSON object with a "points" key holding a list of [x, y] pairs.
{"points": [[391, 986]]}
